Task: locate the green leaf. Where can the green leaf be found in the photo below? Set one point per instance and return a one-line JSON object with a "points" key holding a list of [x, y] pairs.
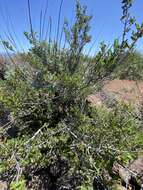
{"points": [[7, 45]]}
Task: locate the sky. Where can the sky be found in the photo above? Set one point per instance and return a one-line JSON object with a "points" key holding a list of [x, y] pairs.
{"points": [[105, 24]]}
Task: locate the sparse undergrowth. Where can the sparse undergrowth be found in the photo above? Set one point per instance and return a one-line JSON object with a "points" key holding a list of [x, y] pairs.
{"points": [[132, 69]]}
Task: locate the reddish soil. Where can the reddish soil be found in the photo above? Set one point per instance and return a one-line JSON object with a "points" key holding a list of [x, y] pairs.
{"points": [[121, 90]]}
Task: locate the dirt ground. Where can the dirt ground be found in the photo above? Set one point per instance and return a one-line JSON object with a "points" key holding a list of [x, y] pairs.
{"points": [[122, 90]]}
